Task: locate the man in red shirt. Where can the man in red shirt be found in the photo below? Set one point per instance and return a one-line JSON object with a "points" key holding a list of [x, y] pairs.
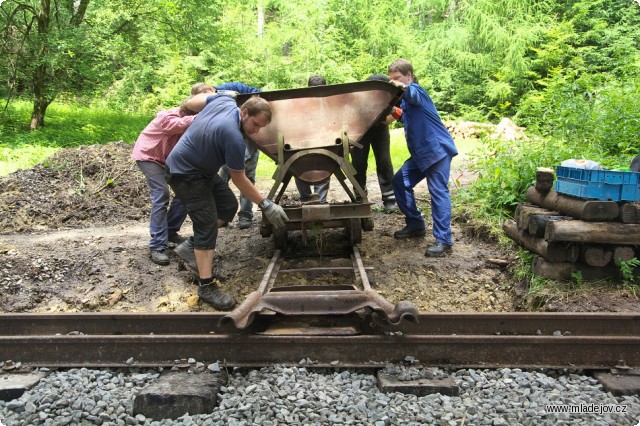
{"points": [[150, 153]]}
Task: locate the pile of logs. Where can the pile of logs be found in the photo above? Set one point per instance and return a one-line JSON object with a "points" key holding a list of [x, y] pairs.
{"points": [[572, 235]]}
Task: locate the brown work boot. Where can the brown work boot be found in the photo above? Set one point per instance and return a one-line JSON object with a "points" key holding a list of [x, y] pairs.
{"points": [[212, 294]]}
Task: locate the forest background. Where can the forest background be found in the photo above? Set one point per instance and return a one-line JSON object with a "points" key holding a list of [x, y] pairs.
{"points": [[567, 70]]}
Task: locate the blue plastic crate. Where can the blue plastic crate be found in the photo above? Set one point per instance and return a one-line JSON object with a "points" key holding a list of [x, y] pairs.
{"points": [[598, 184]]}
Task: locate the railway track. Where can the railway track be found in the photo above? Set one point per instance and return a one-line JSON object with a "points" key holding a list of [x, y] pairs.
{"points": [[341, 323], [461, 340]]}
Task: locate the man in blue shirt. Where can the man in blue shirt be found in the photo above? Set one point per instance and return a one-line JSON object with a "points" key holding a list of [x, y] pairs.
{"points": [[216, 138], [251, 156], [431, 148]]}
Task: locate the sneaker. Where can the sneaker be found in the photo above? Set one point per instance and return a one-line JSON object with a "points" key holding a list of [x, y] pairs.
{"points": [[177, 239], [212, 295], [159, 257], [244, 223], [185, 252], [407, 232], [390, 207], [438, 250]]}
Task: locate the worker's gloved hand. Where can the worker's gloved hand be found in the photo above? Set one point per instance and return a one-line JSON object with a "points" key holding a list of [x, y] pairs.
{"points": [[274, 213]]}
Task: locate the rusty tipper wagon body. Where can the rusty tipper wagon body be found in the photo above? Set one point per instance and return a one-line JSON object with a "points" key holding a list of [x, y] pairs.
{"points": [[309, 137]]}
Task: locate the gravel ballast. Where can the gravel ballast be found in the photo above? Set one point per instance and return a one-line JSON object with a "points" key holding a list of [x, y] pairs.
{"points": [[286, 395]]}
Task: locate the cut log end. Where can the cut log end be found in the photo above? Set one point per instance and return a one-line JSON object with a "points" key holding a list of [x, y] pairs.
{"points": [[544, 179]]}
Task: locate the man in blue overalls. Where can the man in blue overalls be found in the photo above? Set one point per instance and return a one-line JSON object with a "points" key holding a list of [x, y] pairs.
{"points": [[432, 149]]}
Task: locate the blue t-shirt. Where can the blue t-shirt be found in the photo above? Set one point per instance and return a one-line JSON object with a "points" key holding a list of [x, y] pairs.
{"points": [[211, 141], [428, 140]]}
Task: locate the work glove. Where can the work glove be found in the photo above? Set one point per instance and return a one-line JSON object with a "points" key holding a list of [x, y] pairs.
{"points": [[274, 213]]}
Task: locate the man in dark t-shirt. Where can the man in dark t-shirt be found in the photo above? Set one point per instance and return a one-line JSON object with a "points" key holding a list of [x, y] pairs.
{"points": [[216, 138]]}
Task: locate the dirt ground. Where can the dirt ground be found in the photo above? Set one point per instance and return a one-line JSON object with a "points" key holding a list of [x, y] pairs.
{"points": [[74, 234]]}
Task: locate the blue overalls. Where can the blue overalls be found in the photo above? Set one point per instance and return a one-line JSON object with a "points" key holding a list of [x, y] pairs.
{"points": [[431, 148]]}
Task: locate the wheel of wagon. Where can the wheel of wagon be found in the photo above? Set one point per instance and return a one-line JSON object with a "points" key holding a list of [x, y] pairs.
{"points": [[280, 238], [367, 224], [354, 230]]}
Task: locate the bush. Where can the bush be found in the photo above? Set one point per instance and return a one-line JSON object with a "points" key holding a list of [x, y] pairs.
{"points": [[506, 169]]}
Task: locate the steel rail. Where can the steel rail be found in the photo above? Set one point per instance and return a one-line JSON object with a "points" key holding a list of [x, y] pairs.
{"points": [[461, 340]]}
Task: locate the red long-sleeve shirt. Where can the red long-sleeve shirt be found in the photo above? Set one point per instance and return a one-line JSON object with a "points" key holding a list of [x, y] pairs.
{"points": [[160, 136]]}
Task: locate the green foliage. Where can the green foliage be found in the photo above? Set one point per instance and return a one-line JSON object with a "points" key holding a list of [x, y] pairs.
{"points": [[483, 46], [601, 120], [628, 271], [506, 169], [577, 277], [67, 126], [568, 70], [46, 50]]}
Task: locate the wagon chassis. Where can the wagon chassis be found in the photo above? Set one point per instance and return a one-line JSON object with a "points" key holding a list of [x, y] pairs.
{"points": [[354, 217]]}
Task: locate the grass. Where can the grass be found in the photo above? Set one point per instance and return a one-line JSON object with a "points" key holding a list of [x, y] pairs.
{"points": [[66, 126]]}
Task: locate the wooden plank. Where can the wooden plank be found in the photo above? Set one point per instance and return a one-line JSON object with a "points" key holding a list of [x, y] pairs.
{"points": [[524, 211], [555, 252], [564, 271], [419, 387], [538, 223], [628, 213], [593, 232], [624, 253], [596, 255], [588, 210], [544, 179]]}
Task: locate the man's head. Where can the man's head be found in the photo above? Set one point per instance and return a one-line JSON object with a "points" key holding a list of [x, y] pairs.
{"points": [[184, 111], [401, 70], [378, 77], [316, 80], [198, 88], [255, 114]]}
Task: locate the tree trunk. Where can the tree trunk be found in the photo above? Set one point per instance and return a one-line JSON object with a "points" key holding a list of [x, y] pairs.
{"points": [[40, 105], [79, 8], [544, 179], [629, 213], [40, 80], [260, 31]]}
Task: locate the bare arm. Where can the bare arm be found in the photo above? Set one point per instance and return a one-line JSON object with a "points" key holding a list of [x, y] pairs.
{"points": [[248, 189], [396, 113], [389, 119], [197, 102]]}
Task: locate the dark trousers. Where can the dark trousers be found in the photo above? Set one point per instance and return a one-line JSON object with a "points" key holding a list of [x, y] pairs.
{"points": [[379, 139], [206, 199]]}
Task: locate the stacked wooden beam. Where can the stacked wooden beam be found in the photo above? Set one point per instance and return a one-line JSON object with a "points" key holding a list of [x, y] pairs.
{"points": [[570, 235]]}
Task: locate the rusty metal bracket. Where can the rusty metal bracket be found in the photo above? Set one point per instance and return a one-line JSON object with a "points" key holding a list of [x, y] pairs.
{"points": [[344, 168], [325, 300]]}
